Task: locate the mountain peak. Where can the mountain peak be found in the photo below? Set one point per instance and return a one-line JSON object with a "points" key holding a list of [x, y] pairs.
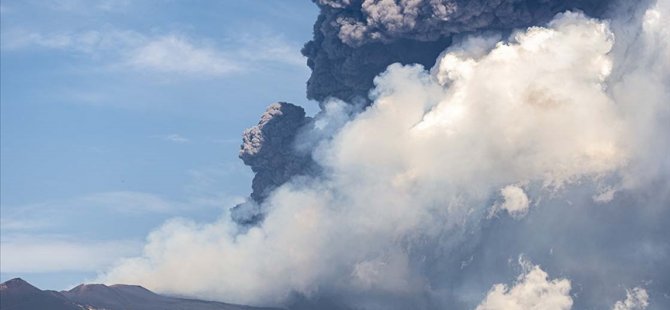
{"points": [[132, 288], [21, 295], [18, 294], [89, 288], [18, 284]]}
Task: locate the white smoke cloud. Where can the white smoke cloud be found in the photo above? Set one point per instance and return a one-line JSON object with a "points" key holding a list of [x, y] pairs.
{"points": [[533, 290], [515, 202], [548, 107], [636, 299]]}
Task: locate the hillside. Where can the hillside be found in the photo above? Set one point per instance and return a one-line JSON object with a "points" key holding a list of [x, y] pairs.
{"points": [[17, 294]]}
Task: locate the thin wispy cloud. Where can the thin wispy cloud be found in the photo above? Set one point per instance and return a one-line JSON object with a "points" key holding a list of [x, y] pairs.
{"points": [[122, 204], [175, 54], [205, 183], [95, 42], [176, 138], [130, 202], [30, 243], [14, 224], [48, 216], [88, 5], [270, 48], [172, 53], [31, 254], [235, 140]]}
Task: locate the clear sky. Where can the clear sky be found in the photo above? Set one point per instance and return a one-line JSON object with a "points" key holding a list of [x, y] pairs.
{"points": [[118, 115]]}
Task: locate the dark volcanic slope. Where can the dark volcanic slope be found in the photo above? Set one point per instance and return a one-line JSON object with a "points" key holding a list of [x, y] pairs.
{"points": [[18, 294], [122, 297]]}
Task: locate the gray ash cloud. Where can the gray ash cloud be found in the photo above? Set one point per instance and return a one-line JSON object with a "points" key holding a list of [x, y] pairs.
{"points": [[347, 73], [268, 149], [356, 40]]}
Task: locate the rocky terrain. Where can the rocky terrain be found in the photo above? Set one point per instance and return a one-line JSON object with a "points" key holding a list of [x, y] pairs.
{"points": [[17, 294]]}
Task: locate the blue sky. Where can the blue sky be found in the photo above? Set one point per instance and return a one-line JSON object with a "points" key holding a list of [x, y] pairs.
{"points": [[119, 115]]}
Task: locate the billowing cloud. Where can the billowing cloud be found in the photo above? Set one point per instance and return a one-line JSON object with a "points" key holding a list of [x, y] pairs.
{"points": [[636, 299], [533, 290], [398, 215], [356, 40], [515, 201], [428, 20]]}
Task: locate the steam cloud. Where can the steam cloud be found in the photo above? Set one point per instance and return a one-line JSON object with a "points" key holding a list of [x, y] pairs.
{"points": [[533, 291], [549, 142], [636, 299]]}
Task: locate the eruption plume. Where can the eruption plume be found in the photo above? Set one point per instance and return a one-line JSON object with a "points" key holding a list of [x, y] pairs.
{"points": [[537, 133]]}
